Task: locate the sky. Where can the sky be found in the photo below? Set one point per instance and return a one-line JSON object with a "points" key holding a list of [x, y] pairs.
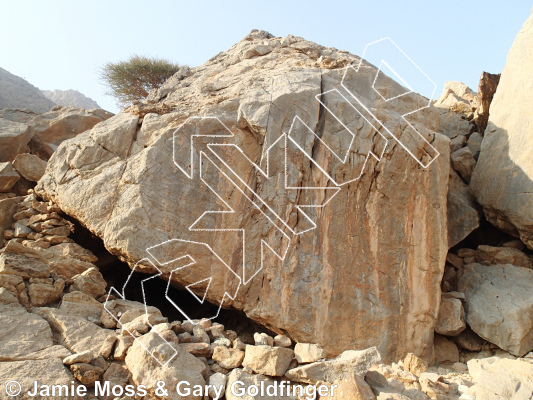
{"points": [[61, 44]]}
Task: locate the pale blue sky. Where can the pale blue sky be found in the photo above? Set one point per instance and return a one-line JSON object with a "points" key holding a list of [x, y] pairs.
{"points": [[60, 44]]}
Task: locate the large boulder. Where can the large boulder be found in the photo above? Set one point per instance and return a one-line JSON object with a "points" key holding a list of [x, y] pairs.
{"points": [[502, 181], [463, 216], [22, 333], [63, 123], [501, 378], [499, 305], [14, 138], [151, 359], [367, 274], [46, 372]]}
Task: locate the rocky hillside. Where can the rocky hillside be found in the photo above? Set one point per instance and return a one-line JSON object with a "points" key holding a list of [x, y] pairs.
{"points": [[16, 92], [71, 98]]}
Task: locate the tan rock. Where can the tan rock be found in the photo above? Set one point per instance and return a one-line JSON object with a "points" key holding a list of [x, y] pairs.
{"points": [[23, 265], [500, 378], [463, 162], [445, 350], [90, 282], [248, 380], [147, 370], [109, 191], [353, 387], [8, 176], [14, 138], [42, 294], [228, 358], [486, 89], [266, 360], [503, 255], [282, 341], [123, 344], [349, 362], [498, 305], [262, 339], [199, 349], [451, 320], [8, 207], [87, 374], [82, 305], [75, 333], [49, 370], [469, 340], [502, 180], [108, 346], [414, 365], [308, 352], [463, 216], [83, 357], [29, 166], [22, 333]]}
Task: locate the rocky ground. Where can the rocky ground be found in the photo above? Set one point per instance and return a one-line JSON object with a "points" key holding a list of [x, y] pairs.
{"points": [[449, 314], [54, 307]]}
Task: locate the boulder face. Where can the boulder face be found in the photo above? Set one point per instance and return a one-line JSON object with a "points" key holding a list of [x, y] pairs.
{"points": [[502, 181], [367, 274], [499, 306]]}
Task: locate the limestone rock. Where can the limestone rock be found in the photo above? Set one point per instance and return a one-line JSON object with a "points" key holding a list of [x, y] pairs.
{"points": [[14, 138], [451, 321], [248, 380], [123, 344], [75, 333], [486, 89], [503, 255], [500, 378], [22, 333], [82, 305], [8, 176], [262, 339], [308, 352], [63, 123], [463, 216], [27, 372], [463, 162], [445, 350], [29, 166], [498, 305], [26, 265], [352, 388], [349, 362], [228, 358], [502, 181], [43, 293], [469, 340], [87, 374], [282, 341], [217, 382], [414, 365], [105, 179], [266, 360], [148, 371], [90, 282], [7, 209], [83, 357]]}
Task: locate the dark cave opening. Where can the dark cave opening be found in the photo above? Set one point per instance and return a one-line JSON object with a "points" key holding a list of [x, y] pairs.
{"points": [[116, 272]]}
